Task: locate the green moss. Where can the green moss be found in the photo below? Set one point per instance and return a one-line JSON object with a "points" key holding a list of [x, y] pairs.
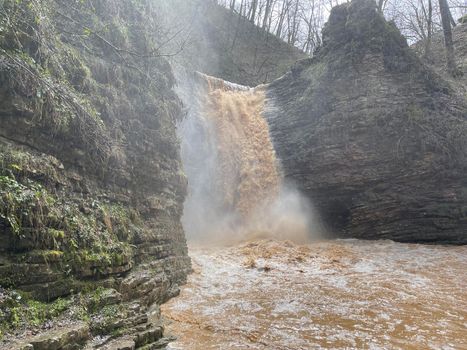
{"points": [[17, 310], [24, 208], [100, 239], [56, 234], [56, 104], [99, 257], [21, 204], [52, 255], [120, 220], [74, 89]]}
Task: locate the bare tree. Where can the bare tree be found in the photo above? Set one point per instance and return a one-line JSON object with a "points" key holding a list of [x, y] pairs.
{"points": [[282, 15], [447, 30], [253, 9], [382, 5], [428, 14], [267, 13], [299, 22]]}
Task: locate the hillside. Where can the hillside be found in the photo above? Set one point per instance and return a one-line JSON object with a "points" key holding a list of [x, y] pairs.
{"points": [[215, 41], [437, 60]]}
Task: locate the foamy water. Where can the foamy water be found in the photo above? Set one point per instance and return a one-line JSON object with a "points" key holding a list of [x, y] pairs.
{"points": [[234, 176], [346, 294]]}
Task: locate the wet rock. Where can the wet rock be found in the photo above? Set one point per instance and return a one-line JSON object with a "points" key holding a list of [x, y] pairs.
{"points": [[372, 136], [124, 343], [91, 167], [64, 339], [149, 336]]}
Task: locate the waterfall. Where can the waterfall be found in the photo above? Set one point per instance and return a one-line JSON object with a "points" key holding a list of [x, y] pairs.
{"points": [[236, 190]]}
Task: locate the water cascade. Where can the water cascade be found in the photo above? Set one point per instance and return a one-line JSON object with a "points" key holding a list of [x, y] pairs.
{"points": [[236, 190]]}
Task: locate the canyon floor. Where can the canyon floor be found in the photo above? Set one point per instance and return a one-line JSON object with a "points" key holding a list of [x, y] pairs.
{"points": [[344, 294]]}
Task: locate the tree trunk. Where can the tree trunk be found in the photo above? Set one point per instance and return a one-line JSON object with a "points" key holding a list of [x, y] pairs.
{"points": [[295, 24], [429, 26], [266, 14], [380, 5], [449, 45], [281, 19], [242, 8], [254, 8]]}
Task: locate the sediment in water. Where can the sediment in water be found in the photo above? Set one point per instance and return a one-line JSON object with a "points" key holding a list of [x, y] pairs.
{"points": [[236, 189]]}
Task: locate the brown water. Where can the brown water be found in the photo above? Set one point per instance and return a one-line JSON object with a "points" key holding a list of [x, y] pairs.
{"points": [[345, 294], [235, 186], [272, 294], [247, 166]]}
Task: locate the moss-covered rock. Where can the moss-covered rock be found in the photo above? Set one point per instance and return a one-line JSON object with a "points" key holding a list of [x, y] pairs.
{"points": [[88, 146]]}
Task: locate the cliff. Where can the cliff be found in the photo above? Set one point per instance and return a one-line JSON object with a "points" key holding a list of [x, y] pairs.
{"points": [[91, 182], [374, 137]]}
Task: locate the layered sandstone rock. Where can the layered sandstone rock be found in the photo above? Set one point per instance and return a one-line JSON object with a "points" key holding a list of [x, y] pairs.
{"points": [[91, 182], [375, 138]]}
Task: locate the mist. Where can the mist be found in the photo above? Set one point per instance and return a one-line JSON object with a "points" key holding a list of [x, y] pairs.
{"points": [[223, 207]]}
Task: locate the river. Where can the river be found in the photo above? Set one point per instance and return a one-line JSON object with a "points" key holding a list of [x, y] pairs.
{"points": [[343, 294]]}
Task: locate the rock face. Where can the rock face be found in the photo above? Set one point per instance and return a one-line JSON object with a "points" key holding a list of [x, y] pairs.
{"points": [[91, 182], [375, 138]]}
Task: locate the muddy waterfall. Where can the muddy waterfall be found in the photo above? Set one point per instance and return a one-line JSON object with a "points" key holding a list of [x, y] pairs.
{"points": [[234, 175]]}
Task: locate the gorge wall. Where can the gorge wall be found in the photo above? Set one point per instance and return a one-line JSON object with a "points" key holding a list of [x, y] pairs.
{"points": [[372, 135], [91, 182]]}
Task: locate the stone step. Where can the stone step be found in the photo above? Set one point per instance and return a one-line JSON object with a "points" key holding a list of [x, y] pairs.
{"points": [[158, 345], [148, 336], [68, 338], [123, 343]]}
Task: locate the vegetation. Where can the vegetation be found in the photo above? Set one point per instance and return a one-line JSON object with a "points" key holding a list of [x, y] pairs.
{"points": [[33, 213], [90, 173], [299, 22], [18, 310], [87, 139]]}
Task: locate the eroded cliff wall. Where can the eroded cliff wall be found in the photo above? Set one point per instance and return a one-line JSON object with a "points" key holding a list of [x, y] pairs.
{"points": [[91, 182], [374, 137]]}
